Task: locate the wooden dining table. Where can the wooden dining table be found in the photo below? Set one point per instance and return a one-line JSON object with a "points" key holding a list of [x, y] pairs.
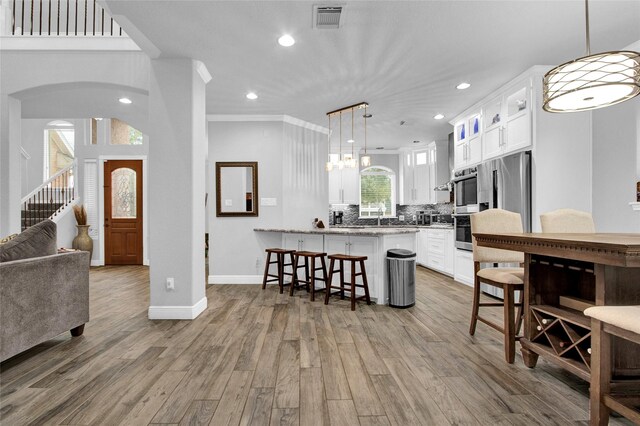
{"points": [[564, 274]]}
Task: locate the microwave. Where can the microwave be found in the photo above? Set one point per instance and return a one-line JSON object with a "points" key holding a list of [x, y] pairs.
{"points": [[466, 191]]}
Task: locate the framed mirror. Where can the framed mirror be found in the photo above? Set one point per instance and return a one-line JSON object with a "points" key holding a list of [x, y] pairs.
{"points": [[237, 188]]}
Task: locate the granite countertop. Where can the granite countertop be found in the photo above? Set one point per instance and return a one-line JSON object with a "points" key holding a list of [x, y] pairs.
{"points": [[372, 231]]}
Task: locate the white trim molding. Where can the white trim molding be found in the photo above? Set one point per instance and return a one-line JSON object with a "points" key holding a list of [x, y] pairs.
{"points": [[235, 279], [177, 312], [99, 43], [276, 117], [635, 206], [204, 73]]}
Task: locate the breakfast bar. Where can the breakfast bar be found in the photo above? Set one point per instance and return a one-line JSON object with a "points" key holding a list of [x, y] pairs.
{"points": [[564, 274], [372, 242]]}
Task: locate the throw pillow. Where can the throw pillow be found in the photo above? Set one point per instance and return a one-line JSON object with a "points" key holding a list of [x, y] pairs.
{"points": [[7, 239], [36, 241]]}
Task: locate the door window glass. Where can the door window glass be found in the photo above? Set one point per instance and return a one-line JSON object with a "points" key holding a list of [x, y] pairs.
{"points": [[123, 193]]}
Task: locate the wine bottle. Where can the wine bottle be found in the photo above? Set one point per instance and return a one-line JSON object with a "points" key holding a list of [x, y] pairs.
{"points": [[539, 328], [589, 351], [564, 344], [546, 321]]}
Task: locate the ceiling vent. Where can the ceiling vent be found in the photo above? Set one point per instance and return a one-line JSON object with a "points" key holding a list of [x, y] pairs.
{"points": [[327, 17]]}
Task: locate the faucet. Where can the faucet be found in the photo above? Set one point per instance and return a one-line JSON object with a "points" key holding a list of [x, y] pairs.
{"points": [[379, 214]]}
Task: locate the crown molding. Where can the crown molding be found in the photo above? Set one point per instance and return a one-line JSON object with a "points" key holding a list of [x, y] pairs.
{"points": [[267, 117]]}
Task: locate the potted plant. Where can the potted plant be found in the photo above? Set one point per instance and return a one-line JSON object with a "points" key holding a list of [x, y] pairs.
{"points": [[82, 241]]}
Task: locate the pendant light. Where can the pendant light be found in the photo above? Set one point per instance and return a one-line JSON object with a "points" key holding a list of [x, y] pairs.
{"points": [[340, 159], [593, 81], [365, 160], [329, 165], [352, 162]]}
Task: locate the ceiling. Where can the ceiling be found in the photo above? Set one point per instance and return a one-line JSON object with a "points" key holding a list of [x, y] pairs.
{"points": [[404, 58]]}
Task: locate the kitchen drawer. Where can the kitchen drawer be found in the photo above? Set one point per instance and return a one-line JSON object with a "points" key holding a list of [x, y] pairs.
{"points": [[435, 247], [436, 262], [437, 234]]}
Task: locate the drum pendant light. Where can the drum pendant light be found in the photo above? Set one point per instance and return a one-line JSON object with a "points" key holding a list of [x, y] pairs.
{"points": [[593, 81]]}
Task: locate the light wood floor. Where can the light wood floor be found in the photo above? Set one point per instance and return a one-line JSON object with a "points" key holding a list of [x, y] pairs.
{"points": [[255, 357]]}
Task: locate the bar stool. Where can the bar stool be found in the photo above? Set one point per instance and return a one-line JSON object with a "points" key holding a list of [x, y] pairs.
{"points": [[280, 261], [310, 270], [624, 323], [341, 258]]}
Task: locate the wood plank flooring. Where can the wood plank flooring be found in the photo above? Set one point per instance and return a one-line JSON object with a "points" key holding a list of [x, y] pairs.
{"points": [[256, 357]]}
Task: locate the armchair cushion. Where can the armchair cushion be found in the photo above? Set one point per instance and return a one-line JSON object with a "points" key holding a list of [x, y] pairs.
{"points": [[625, 317]]}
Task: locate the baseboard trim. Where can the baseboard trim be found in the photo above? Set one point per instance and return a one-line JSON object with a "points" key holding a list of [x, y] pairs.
{"points": [[97, 262], [235, 279], [177, 312]]}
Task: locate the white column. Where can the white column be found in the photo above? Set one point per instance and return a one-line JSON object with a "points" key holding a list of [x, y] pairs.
{"points": [[10, 174], [177, 149]]}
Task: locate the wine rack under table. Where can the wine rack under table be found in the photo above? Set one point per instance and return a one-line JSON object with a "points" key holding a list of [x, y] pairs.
{"points": [[599, 269], [566, 333]]}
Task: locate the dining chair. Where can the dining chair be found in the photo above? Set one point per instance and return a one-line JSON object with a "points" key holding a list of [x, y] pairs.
{"points": [[606, 322], [510, 280], [567, 221]]}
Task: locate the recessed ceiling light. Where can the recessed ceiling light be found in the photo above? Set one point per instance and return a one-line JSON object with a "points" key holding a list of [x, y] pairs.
{"points": [[463, 85], [252, 96], [367, 115], [438, 116], [125, 100], [350, 141], [286, 41]]}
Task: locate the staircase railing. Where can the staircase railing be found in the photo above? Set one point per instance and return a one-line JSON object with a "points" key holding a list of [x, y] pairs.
{"points": [[61, 18], [50, 198]]}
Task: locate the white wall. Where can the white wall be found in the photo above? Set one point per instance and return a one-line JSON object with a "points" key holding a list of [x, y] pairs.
{"points": [[290, 169], [234, 248], [616, 139]]}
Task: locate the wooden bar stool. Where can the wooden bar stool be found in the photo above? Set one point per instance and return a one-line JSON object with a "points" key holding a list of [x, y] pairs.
{"points": [[341, 258], [280, 262], [608, 321], [310, 269]]}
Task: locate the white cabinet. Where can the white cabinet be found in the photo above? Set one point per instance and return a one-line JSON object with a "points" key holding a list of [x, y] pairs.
{"points": [[419, 176], [449, 251], [307, 242], [421, 252], [355, 246], [507, 121], [468, 141], [344, 186], [463, 267], [440, 250]]}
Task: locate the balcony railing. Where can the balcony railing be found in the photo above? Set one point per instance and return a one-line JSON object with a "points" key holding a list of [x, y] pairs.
{"points": [[62, 18]]}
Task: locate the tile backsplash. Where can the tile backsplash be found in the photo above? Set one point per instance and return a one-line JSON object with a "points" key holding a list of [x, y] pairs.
{"points": [[351, 212]]}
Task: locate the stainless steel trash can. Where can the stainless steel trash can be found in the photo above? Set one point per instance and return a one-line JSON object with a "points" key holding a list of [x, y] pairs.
{"points": [[401, 276]]}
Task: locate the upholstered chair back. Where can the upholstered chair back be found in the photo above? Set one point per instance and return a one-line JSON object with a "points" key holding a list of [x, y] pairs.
{"points": [[567, 221], [496, 221]]}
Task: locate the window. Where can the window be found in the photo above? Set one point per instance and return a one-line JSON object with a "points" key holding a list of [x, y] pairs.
{"points": [[58, 147], [123, 134], [377, 192]]}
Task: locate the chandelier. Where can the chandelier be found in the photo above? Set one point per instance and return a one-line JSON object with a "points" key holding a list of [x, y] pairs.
{"points": [[346, 159], [593, 81]]}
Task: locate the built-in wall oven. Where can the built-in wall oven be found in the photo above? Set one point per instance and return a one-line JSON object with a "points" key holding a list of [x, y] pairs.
{"points": [[466, 199]]}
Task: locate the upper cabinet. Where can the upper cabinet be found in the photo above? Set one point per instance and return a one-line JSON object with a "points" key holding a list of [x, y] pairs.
{"points": [[344, 185], [496, 126], [468, 140], [418, 176], [507, 121]]}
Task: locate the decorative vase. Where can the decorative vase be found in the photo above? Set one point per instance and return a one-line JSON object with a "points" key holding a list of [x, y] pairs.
{"points": [[83, 241]]}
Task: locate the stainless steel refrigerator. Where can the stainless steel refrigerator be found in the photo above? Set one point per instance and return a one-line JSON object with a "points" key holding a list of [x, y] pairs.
{"points": [[505, 183]]}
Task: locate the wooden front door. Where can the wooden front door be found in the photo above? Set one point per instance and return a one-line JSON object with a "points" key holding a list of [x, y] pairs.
{"points": [[123, 212]]}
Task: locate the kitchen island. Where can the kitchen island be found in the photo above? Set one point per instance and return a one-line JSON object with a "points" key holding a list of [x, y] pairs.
{"points": [[372, 242]]}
